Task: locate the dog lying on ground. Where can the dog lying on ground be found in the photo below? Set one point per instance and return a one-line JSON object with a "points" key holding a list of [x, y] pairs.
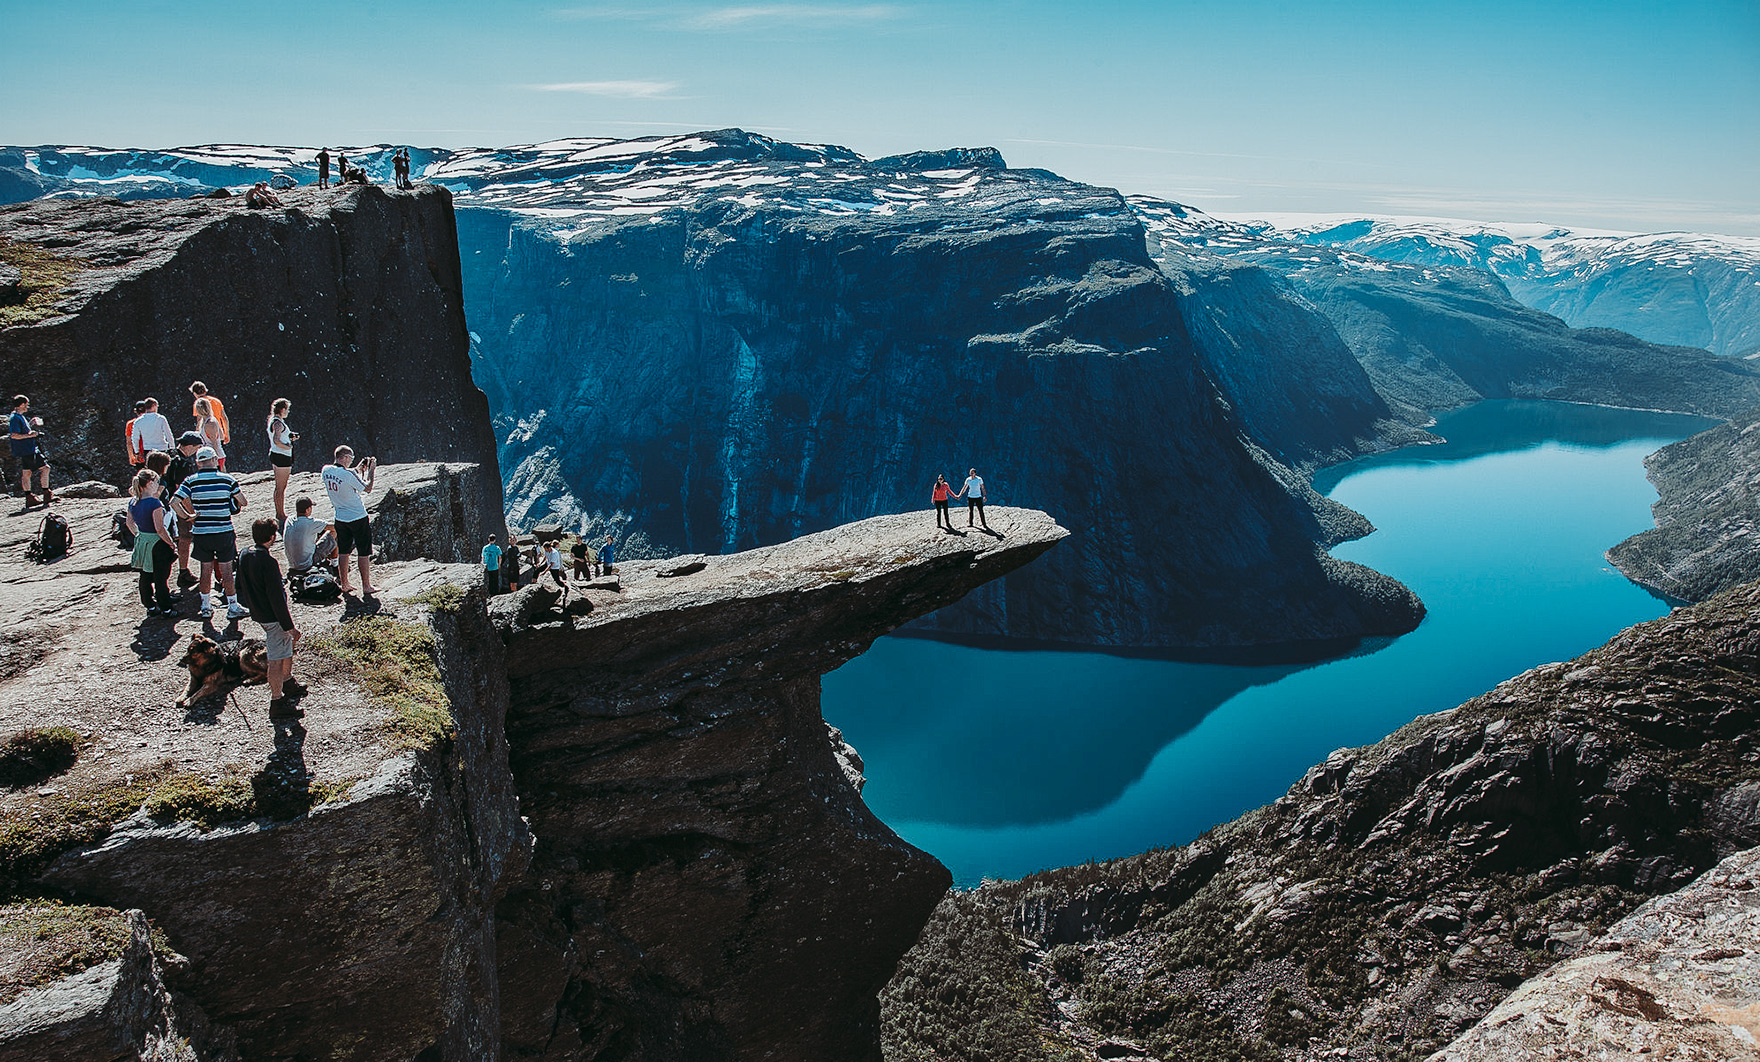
{"points": [[213, 664]]}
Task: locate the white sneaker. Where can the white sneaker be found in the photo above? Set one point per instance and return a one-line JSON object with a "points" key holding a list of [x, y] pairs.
{"points": [[237, 611], [207, 612]]}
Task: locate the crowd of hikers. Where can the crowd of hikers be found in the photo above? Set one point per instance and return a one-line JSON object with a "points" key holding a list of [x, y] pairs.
{"points": [[182, 501]]}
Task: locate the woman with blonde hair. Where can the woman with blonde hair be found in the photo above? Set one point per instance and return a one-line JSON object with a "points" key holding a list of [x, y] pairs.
{"points": [[281, 439], [210, 429], [155, 542]]}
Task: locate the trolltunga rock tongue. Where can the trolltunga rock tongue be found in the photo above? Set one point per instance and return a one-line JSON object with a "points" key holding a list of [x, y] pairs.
{"points": [[707, 883]]}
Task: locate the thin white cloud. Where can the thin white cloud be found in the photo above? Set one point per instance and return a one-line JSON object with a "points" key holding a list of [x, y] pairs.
{"points": [[622, 90], [738, 17], [755, 16]]}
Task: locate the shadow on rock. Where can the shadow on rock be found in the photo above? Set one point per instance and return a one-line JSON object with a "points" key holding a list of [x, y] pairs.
{"points": [[283, 787], [153, 639], [360, 606]]}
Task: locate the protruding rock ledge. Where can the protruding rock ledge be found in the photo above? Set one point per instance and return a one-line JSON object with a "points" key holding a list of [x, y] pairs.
{"points": [[707, 882]]}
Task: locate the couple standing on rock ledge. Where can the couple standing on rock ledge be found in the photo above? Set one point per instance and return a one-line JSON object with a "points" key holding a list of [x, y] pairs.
{"points": [[972, 491]]}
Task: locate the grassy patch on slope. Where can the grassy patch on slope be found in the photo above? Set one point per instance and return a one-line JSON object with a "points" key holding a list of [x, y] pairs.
{"points": [[46, 276], [395, 663]]}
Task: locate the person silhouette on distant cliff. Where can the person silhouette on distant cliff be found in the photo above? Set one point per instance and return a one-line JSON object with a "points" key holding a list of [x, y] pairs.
{"points": [[400, 168], [341, 169], [973, 493], [323, 167]]}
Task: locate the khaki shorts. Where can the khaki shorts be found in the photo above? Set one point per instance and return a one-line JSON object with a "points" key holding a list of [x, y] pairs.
{"points": [[277, 641]]}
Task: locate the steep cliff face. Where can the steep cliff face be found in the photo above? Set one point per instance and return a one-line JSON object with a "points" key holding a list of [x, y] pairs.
{"points": [[1398, 892], [712, 341], [1705, 539], [1288, 376], [707, 883], [724, 371], [347, 303]]}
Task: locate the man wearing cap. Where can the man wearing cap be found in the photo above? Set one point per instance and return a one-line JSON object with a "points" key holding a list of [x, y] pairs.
{"points": [[208, 499], [183, 466]]}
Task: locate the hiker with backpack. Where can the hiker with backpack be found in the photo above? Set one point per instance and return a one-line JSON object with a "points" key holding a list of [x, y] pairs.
{"points": [[209, 499], [155, 542], [281, 439], [24, 435]]}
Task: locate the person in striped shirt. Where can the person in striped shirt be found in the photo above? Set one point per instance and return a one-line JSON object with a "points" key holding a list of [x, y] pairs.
{"points": [[208, 500]]}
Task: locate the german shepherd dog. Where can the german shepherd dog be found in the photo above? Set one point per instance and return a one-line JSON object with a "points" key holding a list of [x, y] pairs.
{"points": [[213, 664]]}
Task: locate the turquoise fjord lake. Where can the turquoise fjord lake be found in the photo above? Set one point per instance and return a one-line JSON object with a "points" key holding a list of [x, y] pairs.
{"points": [[1001, 763]]}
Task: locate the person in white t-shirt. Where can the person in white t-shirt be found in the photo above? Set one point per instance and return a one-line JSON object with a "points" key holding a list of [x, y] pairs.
{"points": [[973, 493], [152, 431], [553, 563], [354, 533]]}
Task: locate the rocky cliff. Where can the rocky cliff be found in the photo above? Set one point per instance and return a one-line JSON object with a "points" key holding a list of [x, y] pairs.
{"points": [[1678, 978], [327, 886], [347, 303], [715, 341], [725, 341], [1396, 894], [618, 829], [1707, 533], [707, 883]]}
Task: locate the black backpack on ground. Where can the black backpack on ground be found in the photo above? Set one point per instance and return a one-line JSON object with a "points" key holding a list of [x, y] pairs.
{"points": [[119, 530], [314, 586], [54, 539]]}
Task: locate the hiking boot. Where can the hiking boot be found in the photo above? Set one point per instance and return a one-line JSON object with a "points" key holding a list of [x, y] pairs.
{"points": [[48, 496], [186, 579], [207, 611], [30, 500], [282, 708], [293, 687]]}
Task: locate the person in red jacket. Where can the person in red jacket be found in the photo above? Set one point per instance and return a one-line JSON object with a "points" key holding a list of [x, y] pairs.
{"points": [[942, 492]]}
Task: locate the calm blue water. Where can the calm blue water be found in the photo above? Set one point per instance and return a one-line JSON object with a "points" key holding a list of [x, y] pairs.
{"points": [[1058, 757]]}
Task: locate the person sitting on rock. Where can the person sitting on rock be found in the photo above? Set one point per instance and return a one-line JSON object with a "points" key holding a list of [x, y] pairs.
{"points": [[260, 198], [308, 541]]}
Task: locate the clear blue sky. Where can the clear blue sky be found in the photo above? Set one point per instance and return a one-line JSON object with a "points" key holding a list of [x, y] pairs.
{"points": [[1601, 113]]}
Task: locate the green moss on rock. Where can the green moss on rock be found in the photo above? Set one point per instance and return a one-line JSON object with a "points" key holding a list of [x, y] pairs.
{"points": [[45, 276], [395, 663], [42, 941], [32, 756]]}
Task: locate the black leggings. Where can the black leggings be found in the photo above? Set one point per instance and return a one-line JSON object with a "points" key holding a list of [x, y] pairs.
{"points": [[941, 514], [157, 581]]}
